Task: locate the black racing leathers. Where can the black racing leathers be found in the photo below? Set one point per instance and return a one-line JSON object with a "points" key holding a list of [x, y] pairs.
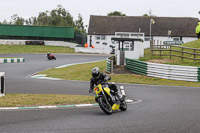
{"points": [[102, 77]]}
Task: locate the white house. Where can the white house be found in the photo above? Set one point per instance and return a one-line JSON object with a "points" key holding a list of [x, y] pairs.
{"points": [[160, 29]]}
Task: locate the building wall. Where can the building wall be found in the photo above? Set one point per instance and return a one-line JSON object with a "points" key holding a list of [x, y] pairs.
{"points": [[157, 41], [100, 43]]}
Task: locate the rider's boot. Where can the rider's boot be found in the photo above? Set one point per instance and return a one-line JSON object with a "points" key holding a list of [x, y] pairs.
{"points": [[119, 95]]}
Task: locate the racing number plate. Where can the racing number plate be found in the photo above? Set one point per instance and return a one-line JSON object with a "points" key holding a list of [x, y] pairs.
{"points": [[98, 89]]}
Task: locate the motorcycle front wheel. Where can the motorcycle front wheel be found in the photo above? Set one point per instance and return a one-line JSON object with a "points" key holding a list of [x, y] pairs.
{"points": [[104, 106]]}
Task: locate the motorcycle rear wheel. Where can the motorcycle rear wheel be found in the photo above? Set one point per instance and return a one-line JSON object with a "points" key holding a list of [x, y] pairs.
{"points": [[104, 106]]}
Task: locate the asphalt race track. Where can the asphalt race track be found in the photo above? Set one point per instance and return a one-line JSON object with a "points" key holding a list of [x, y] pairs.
{"points": [[164, 109]]}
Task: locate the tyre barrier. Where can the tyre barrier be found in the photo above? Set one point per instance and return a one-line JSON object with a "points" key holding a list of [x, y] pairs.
{"points": [[11, 60], [2, 84], [173, 72], [110, 64]]}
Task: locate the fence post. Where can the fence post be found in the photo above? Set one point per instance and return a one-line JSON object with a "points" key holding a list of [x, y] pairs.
{"points": [[182, 53], [111, 65], [160, 50], [170, 52], [2, 82], [194, 54]]}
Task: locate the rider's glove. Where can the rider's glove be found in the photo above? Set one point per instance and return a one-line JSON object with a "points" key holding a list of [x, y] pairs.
{"points": [[90, 90]]}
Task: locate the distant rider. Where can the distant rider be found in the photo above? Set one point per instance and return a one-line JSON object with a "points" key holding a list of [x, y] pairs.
{"points": [[98, 77], [48, 54], [198, 30]]}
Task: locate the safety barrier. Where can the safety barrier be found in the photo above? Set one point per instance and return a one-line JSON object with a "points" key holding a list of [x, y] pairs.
{"points": [[11, 60], [136, 66], [110, 65], [2, 84], [47, 43], [173, 72]]}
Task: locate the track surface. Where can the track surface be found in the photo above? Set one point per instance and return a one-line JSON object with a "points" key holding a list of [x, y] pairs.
{"points": [[165, 109]]}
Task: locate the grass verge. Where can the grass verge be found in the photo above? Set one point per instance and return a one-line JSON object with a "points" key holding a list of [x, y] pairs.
{"points": [[176, 60], [7, 49], [24, 100], [83, 72]]}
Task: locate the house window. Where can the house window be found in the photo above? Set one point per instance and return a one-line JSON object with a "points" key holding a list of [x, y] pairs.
{"points": [[98, 37], [103, 37], [176, 38], [147, 38]]}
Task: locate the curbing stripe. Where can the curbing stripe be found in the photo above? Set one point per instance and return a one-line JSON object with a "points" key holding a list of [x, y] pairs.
{"points": [[4, 61], [63, 106], [11, 60]]}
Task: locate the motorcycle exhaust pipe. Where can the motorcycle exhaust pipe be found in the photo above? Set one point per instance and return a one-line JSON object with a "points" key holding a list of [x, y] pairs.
{"points": [[122, 90]]}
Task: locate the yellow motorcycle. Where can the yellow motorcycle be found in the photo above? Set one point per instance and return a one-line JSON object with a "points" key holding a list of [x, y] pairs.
{"points": [[107, 99]]}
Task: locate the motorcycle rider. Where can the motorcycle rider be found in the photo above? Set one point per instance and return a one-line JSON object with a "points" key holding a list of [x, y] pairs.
{"points": [[48, 54], [98, 77]]}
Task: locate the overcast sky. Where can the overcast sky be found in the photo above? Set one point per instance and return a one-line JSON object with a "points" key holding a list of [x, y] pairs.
{"points": [[160, 8]]}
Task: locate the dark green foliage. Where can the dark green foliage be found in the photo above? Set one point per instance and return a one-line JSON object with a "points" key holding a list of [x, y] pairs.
{"points": [[58, 17], [116, 13]]}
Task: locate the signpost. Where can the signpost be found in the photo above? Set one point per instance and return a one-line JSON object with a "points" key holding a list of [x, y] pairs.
{"points": [[173, 42]]}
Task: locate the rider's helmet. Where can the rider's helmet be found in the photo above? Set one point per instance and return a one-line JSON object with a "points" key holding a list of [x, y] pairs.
{"points": [[95, 72]]}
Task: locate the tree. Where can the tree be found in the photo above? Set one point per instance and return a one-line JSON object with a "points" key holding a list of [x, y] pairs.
{"points": [[116, 13], [16, 20], [79, 24], [146, 15], [56, 17], [5, 22]]}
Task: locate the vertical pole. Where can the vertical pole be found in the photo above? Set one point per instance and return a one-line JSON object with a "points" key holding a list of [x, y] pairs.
{"points": [[112, 66], [122, 45], [90, 40], [194, 54], [119, 46], [2, 85], [2, 82], [182, 53], [170, 51], [150, 31]]}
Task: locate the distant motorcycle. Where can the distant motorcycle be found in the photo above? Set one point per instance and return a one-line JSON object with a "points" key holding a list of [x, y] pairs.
{"points": [[50, 56]]}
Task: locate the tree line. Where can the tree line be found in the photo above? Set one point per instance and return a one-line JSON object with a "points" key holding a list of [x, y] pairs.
{"points": [[56, 17]]}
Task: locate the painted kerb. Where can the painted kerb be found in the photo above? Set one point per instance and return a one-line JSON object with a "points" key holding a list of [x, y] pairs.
{"points": [[11, 60]]}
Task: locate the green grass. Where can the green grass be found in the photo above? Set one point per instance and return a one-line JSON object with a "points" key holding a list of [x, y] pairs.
{"points": [[7, 49], [83, 72], [176, 60], [22, 100], [75, 72]]}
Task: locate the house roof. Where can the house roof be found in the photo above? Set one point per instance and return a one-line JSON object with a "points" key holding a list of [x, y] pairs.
{"points": [[108, 25]]}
